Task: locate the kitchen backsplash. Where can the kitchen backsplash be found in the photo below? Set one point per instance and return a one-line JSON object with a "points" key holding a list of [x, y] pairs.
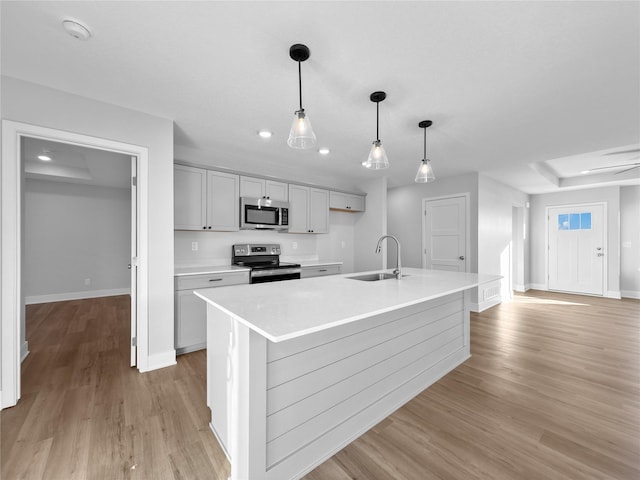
{"points": [[214, 248]]}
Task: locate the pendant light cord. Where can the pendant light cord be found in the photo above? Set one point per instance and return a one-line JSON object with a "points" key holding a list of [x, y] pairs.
{"points": [[300, 83], [424, 157], [377, 121]]}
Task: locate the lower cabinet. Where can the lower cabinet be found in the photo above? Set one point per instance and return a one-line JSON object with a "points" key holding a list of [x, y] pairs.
{"points": [[191, 311], [319, 270]]}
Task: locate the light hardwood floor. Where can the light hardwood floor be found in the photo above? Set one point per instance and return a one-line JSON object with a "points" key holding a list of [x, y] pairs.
{"points": [[552, 391]]}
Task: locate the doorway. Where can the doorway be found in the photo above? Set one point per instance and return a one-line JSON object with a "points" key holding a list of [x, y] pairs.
{"points": [[12, 295], [576, 237], [445, 233]]}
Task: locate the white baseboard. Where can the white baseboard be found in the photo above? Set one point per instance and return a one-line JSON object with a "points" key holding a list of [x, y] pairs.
{"points": [[538, 286], [630, 294], [482, 306], [520, 288], [61, 297], [613, 294], [24, 351], [160, 360]]}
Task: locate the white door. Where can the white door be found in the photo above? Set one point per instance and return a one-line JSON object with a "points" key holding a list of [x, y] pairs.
{"points": [[576, 261], [444, 235], [134, 260]]}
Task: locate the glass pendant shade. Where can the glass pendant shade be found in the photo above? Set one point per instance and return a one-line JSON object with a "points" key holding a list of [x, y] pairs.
{"points": [[301, 134], [425, 172], [377, 157]]}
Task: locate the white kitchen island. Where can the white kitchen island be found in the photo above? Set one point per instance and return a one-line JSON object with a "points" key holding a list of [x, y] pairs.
{"points": [[296, 370]]}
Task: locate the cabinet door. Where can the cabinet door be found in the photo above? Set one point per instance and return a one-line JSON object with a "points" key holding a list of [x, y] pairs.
{"points": [[191, 322], [252, 187], [356, 203], [277, 190], [319, 210], [223, 201], [190, 198], [338, 200], [298, 209]]}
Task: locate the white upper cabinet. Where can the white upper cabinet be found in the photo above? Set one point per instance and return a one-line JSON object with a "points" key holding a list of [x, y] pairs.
{"points": [[258, 188], [190, 198], [346, 202], [205, 200], [223, 205], [308, 209]]}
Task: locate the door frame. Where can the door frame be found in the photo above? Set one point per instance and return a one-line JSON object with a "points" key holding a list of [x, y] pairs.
{"points": [[467, 240], [605, 235], [11, 297]]}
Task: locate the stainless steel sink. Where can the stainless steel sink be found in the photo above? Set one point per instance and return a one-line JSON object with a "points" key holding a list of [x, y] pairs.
{"points": [[373, 277]]}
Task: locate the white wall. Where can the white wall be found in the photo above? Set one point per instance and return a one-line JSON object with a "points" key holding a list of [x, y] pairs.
{"points": [[630, 241], [495, 235], [611, 195], [33, 104], [370, 226], [73, 232], [404, 219]]}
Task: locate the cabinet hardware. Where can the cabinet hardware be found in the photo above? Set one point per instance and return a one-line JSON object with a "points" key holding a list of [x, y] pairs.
{"points": [[461, 257], [215, 279], [322, 270]]}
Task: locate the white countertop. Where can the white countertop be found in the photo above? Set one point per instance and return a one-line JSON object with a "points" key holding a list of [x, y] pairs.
{"points": [[205, 269], [283, 310]]}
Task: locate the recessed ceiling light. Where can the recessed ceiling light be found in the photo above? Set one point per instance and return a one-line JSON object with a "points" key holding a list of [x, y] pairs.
{"points": [[44, 158], [323, 151], [76, 30], [265, 133]]}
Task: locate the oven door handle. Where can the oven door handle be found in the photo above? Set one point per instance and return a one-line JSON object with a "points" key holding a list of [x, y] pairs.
{"points": [[274, 272]]}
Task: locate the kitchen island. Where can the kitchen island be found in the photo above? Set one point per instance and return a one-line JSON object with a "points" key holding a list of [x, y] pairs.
{"points": [[297, 370]]}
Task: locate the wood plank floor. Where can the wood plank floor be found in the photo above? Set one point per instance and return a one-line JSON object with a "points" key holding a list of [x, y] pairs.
{"points": [[552, 391]]}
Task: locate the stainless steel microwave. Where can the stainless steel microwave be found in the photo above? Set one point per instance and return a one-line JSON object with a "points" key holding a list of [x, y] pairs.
{"points": [[263, 214]]}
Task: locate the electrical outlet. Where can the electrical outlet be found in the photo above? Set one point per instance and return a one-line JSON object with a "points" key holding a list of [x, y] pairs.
{"points": [[295, 245], [87, 281], [194, 246]]}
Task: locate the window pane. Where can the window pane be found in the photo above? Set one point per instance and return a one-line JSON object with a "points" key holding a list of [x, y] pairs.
{"points": [[585, 221], [574, 221], [563, 221]]}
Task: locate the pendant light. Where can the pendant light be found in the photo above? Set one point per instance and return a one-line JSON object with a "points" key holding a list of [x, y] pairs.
{"points": [[425, 172], [301, 134], [377, 159]]}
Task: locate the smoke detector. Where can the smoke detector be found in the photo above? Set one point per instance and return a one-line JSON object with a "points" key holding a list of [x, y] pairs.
{"points": [[76, 30]]}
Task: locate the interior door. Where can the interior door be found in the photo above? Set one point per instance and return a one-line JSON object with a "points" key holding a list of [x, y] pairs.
{"points": [[134, 260], [444, 235], [576, 261]]}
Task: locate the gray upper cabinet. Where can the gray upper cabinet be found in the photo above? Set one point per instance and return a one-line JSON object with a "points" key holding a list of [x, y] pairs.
{"points": [[308, 209], [346, 202], [205, 199], [258, 188]]}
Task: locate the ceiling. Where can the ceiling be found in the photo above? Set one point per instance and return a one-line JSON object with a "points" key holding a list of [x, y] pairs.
{"points": [[75, 164], [525, 92]]}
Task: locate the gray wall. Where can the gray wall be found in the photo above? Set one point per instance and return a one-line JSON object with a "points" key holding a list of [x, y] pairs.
{"points": [[630, 241], [404, 219], [611, 195], [74, 232], [370, 226], [33, 104]]}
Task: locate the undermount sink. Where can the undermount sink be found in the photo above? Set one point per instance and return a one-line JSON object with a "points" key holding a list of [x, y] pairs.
{"points": [[373, 277]]}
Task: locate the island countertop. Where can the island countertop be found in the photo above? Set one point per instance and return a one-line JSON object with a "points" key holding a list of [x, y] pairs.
{"points": [[281, 311]]}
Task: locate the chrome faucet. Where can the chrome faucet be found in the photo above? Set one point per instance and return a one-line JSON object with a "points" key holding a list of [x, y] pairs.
{"points": [[398, 271]]}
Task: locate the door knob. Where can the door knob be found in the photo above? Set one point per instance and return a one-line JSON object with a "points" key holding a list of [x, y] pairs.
{"points": [[129, 266], [461, 257]]}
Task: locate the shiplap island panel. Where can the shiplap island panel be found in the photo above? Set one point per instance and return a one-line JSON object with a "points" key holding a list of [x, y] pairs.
{"points": [[295, 372]]}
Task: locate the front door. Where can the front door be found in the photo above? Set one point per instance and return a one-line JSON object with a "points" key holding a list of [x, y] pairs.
{"points": [[576, 248], [445, 233]]}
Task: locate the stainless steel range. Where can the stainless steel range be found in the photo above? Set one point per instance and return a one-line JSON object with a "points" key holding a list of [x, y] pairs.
{"points": [[264, 261]]}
